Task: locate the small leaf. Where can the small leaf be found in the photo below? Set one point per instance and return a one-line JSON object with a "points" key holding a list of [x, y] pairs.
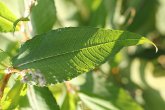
{"points": [[11, 100], [96, 19], [66, 53], [43, 16], [7, 18], [69, 102], [41, 98], [4, 60]]}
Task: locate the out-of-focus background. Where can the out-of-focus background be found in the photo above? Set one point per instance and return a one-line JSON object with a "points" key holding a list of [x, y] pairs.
{"points": [[134, 79]]}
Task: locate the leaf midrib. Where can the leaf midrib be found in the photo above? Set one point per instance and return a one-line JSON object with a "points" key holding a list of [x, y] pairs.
{"points": [[8, 20], [64, 53]]}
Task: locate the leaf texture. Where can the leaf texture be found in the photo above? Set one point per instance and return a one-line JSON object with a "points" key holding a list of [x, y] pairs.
{"points": [[65, 53], [7, 18]]}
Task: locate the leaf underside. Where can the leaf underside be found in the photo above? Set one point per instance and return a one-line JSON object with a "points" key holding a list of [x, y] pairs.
{"points": [[65, 53]]}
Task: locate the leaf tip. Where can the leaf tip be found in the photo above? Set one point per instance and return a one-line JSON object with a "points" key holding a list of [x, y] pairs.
{"points": [[145, 40]]}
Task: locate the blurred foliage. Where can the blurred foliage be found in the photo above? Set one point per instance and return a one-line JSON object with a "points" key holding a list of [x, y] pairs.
{"points": [[40, 24], [133, 80], [6, 19]]}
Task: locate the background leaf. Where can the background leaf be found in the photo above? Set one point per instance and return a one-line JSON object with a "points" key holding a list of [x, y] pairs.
{"points": [[8, 44], [65, 53], [7, 18], [41, 98], [4, 60], [43, 16], [95, 103], [69, 102], [105, 94], [12, 98]]}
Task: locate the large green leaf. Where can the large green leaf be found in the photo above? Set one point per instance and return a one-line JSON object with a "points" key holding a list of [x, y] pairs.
{"points": [[41, 99], [7, 19], [43, 16], [66, 53]]}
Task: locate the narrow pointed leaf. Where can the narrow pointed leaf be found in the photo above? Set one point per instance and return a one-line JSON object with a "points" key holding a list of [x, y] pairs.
{"points": [[66, 53], [7, 18]]}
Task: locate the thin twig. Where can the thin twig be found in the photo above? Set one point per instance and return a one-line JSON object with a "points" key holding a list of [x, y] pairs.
{"points": [[4, 83]]}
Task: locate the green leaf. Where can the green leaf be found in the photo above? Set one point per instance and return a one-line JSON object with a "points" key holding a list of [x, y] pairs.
{"points": [[8, 45], [66, 53], [43, 16], [11, 100], [95, 103], [41, 99], [144, 20], [156, 104], [69, 102], [96, 19], [102, 92], [4, 60], [7, 18], [24, 103]]}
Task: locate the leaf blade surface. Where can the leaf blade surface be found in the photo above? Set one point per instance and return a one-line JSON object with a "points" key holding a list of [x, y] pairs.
{"points": [[66, 53]]}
